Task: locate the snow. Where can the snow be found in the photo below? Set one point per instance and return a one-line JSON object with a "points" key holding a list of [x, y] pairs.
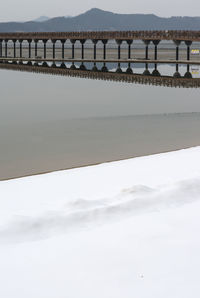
{"points": [[121, 229]]}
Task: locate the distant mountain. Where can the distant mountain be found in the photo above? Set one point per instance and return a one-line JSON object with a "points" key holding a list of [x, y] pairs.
{"points": [[97, 19], [41, 19], [45, 18]]}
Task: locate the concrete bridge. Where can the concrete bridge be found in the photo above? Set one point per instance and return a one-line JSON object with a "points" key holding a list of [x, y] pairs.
{"points": [[129, 37], [147, 78]]}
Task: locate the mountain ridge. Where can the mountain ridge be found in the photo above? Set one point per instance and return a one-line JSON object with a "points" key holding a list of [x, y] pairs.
{"points": [[97, 19]]}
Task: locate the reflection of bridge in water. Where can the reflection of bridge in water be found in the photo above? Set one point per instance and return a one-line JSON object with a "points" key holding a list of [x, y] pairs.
{"points": [[116, 75]]}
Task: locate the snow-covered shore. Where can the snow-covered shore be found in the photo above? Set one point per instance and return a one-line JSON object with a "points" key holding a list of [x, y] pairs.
{"points": [[122, 229]]}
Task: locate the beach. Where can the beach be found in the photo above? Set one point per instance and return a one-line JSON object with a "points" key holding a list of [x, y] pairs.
{"points": [[114, 229]]}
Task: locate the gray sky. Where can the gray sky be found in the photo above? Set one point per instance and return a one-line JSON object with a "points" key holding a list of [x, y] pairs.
{"points": [[22, 10]]}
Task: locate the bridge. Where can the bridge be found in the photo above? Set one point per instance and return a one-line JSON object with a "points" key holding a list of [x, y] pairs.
{"points": [[128, 76], [154, 37]]}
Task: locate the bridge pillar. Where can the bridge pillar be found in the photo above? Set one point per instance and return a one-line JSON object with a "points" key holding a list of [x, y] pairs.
{"points": [[6, 48], [29, 63], [29, 48], [146, 71], [82, 41], [36, 50], [63, 66], [63, 41], [20, 47], [188, 74], [14, 47], [104, 68], [53, 65], [45, 47], [73, 67], [82, 67], [188, 44], [177, 73], [1, 54], [177, 43], [155, 72], [156, 42], [129, 42], [94, 67], [54, 50], [129, 69], [95, 47], [119, 42], [73, 43], [104, 41], [119, 70], [44, 64], [146, 42]]}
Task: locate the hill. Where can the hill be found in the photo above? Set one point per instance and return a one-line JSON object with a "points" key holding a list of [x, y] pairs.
{"points": [[97, 19]]}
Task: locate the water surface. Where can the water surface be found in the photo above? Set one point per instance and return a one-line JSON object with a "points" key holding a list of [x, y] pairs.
{"points": [[50, 123]]}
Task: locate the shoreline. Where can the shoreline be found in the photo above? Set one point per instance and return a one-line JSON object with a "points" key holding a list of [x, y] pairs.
{"points": [[96, 164], [137, 216]]}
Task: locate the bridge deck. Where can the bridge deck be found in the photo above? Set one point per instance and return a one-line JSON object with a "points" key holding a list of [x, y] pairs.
{"points": [[101, 35]]}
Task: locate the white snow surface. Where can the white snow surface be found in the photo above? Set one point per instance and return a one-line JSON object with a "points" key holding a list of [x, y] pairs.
{"points": [[117, 230]]}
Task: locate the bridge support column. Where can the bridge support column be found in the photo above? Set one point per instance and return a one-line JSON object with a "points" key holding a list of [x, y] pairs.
{"points": [[6, 48], [188, 74], [146, 71], [119, 42], [129, 69], [14, 47], [95, 48], [29, 48], [1, 54], [129, 42], [177, 74], [177, 53], [63, 47], [104, 41], [20, 47], [54, 48], [94, 68], [73, 43], [36, 49], [82, 67], [155, 72], [104, 68], [73, 66], [119, 70], [146, 42], [177, 43], [45, 47], [156, 42], [188, 44], [82, 41]]}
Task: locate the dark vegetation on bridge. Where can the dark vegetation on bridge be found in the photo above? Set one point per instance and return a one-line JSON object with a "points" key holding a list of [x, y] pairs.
{"points": [[96, 19]]}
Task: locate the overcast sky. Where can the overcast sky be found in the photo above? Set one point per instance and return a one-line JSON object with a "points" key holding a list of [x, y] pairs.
{"points": [[22, 10]]}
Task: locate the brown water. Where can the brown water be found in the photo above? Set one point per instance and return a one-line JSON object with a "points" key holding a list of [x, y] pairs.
{"points": [[50, 123]]}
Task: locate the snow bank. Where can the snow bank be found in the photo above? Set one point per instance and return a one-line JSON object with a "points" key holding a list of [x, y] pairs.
{"points": [[122, 229]]}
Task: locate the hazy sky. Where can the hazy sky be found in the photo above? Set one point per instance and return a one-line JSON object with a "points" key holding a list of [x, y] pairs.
{"points": [[22, 10]]}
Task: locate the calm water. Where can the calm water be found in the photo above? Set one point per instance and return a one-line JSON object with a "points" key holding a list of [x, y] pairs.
{"points": [[50, 123]]}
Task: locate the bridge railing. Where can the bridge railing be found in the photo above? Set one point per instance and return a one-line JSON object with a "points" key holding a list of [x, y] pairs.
{"points": [[124, 35]]}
